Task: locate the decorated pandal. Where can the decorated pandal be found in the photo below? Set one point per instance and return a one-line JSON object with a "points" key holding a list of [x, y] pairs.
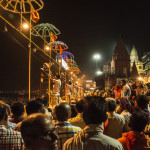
{"points": [[58, 58], [22, 6]]}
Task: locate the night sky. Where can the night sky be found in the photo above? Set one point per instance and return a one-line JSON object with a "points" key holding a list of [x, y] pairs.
{"points": [[87, 27]]}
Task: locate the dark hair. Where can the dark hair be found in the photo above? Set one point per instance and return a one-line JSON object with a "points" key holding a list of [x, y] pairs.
{"points": [[62, 110], [17, 109], [148, 85], [95, 110], [58, 76], [30, 125], [44, 101], [142, 101], [111, 105], [3, 109], [7, 106], [138, 121], [80, 105], [34, 106], [124, 81]]}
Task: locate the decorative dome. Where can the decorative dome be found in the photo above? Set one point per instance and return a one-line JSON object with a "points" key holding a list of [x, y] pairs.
{"points": [[45, 29], [134, 55]]}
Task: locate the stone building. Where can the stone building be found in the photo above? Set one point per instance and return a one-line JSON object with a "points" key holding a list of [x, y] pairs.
{"points": [[135, 58], [134, 72], [120, 64], [146, 63], [125, 66]]}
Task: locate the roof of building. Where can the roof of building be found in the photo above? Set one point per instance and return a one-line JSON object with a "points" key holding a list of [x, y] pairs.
{"points": [[120, 50]]}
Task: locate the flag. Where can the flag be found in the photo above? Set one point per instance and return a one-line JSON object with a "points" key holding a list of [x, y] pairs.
{"points": [[42, 75], [35, 16], [53, 37], [61, 51], [41, 80]]}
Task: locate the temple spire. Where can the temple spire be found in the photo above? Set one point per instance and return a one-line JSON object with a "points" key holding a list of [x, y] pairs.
{"points": [[120, 49], [134, 70]]}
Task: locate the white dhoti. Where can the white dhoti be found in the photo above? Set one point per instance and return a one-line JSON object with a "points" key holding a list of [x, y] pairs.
{"points": [[68, 98], [55, 99]]}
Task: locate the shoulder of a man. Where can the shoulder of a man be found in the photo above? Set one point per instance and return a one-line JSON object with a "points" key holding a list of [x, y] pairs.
{"points": [[76, 143], [18, 127], [16, 133], [12, 135], [78, 118], [73, 142], [67, 128], [12, 139], [112, 143], [76, 128], [119, 116]]}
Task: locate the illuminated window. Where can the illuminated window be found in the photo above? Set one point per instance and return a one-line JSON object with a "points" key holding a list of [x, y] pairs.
{"points": [[140, 67]]}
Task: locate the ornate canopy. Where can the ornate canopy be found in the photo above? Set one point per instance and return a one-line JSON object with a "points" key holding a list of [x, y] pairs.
{"points": [[22, 6]]}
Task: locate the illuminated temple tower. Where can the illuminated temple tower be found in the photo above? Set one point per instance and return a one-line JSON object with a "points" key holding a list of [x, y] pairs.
{"points": [[134, 58], [120, 64]]}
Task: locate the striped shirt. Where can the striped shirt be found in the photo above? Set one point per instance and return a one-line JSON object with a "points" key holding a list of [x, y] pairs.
{"points": [[65, 131], [10, 140], [92, 138]]}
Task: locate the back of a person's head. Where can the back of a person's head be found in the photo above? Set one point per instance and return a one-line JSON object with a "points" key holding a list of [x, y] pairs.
{"points": [[80, 105], [58, 76], [138, 121], [142, 101], [43, 100], [3, 111], [37, 132], [95, 110], [62, 111], [124, 81], [7, 106], [111, 103], [34, 106], [17, 108], [33, 125], [148, 85]]}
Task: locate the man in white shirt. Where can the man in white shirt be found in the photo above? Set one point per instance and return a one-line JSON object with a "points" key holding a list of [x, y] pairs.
{"points": [[68, 92], [78, 120], [116, 122], [126, 90], [92, 137], [56, 90]]}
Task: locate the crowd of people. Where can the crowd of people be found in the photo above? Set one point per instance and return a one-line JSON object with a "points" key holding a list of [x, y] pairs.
{"points": [[115, 120]]}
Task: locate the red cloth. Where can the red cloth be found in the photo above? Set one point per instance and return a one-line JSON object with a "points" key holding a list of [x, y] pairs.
{"points": [[105, 126], [35, 16], [134, 141]]}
